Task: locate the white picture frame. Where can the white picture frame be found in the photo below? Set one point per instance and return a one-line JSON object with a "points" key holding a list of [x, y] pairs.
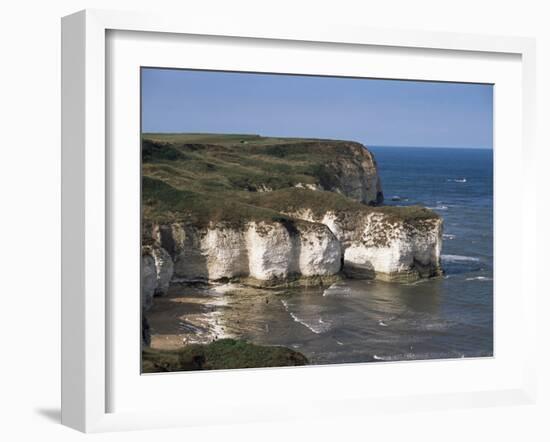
{"points": [[86, 209]]}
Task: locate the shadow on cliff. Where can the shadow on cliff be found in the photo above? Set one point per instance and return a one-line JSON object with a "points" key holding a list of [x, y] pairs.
{"points": [[296, 241]]}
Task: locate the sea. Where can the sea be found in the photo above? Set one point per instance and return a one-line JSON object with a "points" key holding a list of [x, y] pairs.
{"points": [[374, 321]]}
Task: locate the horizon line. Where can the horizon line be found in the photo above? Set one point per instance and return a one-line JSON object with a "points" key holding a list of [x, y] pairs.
{"points": [[430, 147], [314, 138]]}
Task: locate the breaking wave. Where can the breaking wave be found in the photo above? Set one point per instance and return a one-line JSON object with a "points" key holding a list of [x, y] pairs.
{"points": [[413, 356], [316, 326], [458, 258], [337, 289]]}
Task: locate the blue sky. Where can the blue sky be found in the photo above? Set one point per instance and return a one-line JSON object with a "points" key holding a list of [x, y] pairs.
{"points": [[374, 112]]}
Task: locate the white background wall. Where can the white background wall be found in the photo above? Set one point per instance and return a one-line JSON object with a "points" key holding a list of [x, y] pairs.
{"points": [[30, 219]]}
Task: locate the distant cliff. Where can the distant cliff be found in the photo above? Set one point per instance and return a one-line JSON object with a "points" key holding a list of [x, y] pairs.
{"points": [[271, 210]]}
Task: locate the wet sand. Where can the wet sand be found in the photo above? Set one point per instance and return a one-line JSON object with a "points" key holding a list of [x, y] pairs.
{"points": [[200, 314]]}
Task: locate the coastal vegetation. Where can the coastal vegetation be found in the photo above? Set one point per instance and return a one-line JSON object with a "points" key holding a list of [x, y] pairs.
{"points": [[221, 354], [211, 178]]}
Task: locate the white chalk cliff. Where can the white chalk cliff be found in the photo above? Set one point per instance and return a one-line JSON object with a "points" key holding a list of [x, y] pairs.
{"points": [[157, 269], [306, 230], [259, 250], [373, 245], [378, 245]]}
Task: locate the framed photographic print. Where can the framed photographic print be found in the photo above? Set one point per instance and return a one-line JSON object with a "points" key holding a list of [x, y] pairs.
{"points": [[318, 250], [249, 211]]}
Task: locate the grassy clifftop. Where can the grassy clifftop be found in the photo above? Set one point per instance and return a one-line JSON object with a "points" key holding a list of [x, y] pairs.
{"points": [[240, 162], [203, 178]]}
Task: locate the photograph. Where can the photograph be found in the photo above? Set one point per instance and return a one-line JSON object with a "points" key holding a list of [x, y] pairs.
{"points": [[306, 220]]}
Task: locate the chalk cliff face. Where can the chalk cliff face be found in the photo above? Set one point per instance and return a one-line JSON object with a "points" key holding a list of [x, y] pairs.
{"points": [[148, 280], [377, 245], [157, 269], [164, 269], [263, 251], [278, 250], [355, 176], [372, 245], [350, 171]]}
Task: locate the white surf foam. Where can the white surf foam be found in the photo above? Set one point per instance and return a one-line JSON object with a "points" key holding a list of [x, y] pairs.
{"points": [[337, 289], [224, 288], [316, 326], [479, 278], [458, 258]]}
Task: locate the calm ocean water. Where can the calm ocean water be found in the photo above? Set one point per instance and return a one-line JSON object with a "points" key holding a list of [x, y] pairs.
{"points": [[363, 321]]}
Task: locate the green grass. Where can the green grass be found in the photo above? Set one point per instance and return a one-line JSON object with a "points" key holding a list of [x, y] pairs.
{"points": [[222, 354], [203, 178], [202, 159], [223, 139], [319, 202], [163, 203]]}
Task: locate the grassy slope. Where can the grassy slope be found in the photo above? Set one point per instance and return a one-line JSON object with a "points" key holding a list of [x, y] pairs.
{"points": [[220, 355], [230, 162], [212, 177]]}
